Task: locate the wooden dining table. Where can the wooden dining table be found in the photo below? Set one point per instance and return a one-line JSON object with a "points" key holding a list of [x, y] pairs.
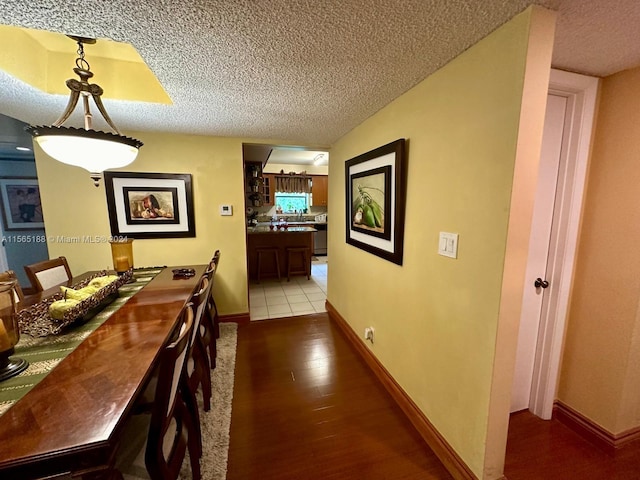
{"points": [[69, 424]]}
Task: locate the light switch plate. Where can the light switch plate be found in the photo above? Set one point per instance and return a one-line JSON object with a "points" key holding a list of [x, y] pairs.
{"points": [[226, 210], [448, 244]]}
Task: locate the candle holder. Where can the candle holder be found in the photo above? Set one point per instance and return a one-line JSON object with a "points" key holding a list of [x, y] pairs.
{"points": [[122, 254], [9, 332]]}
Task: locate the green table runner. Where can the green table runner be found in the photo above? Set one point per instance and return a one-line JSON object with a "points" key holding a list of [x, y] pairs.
{"points": [[44, 353]]}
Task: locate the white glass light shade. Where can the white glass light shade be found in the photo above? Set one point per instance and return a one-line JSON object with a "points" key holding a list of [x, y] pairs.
{"points": [[89, 149], [92, 154]]}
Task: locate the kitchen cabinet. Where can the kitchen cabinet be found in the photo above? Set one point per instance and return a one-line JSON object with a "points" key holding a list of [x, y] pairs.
{"points": [[263, 237], [269, 189], [319, 190]]}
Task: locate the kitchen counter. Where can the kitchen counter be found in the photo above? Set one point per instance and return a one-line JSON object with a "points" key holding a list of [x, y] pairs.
{"points": [[293, 222], [261, 236]]}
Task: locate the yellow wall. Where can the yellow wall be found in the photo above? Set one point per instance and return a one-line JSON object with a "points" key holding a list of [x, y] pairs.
{"points": [[436, 318], [600, 375], [72, 206]]}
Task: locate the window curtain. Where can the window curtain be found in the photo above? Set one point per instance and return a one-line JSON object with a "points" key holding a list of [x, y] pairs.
{"points": [[293, 184]]}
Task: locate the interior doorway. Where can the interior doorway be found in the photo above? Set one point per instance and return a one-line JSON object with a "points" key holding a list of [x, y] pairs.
{"points": [[566, 141], [22, 234]]}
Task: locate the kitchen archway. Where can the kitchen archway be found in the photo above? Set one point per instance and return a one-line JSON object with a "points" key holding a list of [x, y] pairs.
{"points": [[286, 185]]}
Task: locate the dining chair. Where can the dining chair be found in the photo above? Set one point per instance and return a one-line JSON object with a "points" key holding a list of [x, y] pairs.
{"points": [[212, 303], [210, 323], [216, 258], [172, 426], [8, 276], [48, 273], [198, 369]]}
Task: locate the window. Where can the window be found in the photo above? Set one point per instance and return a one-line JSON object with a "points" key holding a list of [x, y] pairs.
{"points": [[292, 202]]}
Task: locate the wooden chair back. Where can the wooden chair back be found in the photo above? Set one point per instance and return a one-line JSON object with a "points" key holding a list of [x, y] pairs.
{"points": [[213, 264], [8, 276], [48, 273], [198, 368], [211, 306], [171, 421], [210, 320]]}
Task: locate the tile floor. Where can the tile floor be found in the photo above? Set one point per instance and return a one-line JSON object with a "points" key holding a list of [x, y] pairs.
{"points": [[273, 298]]}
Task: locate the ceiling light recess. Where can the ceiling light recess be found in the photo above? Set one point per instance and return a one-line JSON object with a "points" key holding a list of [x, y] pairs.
{"points": [[93, 150]]}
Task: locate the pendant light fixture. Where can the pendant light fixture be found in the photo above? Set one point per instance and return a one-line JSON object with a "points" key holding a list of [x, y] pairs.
{"points": [[95, 151]]}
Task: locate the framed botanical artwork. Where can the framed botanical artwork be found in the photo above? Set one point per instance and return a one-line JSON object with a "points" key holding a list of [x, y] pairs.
{"points": [[150, 205], [21, 205], [375, 201]]}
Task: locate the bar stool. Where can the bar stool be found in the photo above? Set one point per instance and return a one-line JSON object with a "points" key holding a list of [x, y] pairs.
{"points": [[264, 252], [304, 255]]}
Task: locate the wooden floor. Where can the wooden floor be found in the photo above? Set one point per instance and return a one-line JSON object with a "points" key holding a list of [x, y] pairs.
{"points": [[306, 407], [549, 450]]}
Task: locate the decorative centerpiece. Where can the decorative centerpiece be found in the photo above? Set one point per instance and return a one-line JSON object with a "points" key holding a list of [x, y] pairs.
{"points": [[122, 254], [72, 305], [9, 332]]}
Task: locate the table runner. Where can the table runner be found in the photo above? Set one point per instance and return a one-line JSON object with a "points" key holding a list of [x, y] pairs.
{"points": [[44, 353]]}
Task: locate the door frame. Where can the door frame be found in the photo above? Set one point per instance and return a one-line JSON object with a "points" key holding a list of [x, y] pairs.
{"points": [[581, 92]]}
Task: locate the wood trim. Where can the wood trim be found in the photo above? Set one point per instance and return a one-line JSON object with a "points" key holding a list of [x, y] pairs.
{"points": [[593, 432], [239, 318], [447, 455]]}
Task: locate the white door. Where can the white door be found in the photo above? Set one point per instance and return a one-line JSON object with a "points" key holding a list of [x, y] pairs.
{"points": [[565, 147], [538, 250]]}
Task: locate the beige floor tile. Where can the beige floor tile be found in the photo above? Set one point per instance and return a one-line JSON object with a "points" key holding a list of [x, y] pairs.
{"points": [[293, 290], [312, 289], [285, 308], [258, 313], [273, 289], [277, 300], [301, 308], [297, 298], [257, 301], [319, 306], [316, 297]]}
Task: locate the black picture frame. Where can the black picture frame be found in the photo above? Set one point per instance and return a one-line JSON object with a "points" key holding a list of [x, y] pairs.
{"points": [[375, 184], [21, 206], [150, 205]]}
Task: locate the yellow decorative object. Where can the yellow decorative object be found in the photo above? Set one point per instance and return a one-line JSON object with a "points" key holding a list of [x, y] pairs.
{"points": [[58, 308], [100, 282], [79, 294], [122, 253]]}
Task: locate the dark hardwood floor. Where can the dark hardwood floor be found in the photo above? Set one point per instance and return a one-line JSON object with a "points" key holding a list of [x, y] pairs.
{"points": [[306, 407], [550, 450]]}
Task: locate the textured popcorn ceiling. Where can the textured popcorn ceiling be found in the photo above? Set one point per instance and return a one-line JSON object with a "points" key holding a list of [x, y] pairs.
{"points": [[302, 71]]}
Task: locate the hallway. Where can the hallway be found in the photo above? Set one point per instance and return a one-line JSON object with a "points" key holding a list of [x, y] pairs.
{"points": [[306, 406]]}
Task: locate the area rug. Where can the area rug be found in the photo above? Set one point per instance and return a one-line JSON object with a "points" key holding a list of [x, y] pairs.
{"points": [[215, 423]]}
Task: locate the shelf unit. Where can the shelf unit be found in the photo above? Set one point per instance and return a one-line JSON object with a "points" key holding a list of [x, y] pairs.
{"points": [[253, 184]]}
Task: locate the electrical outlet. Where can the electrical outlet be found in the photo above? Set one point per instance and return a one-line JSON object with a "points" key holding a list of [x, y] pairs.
{"points": [[368, 334]]}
